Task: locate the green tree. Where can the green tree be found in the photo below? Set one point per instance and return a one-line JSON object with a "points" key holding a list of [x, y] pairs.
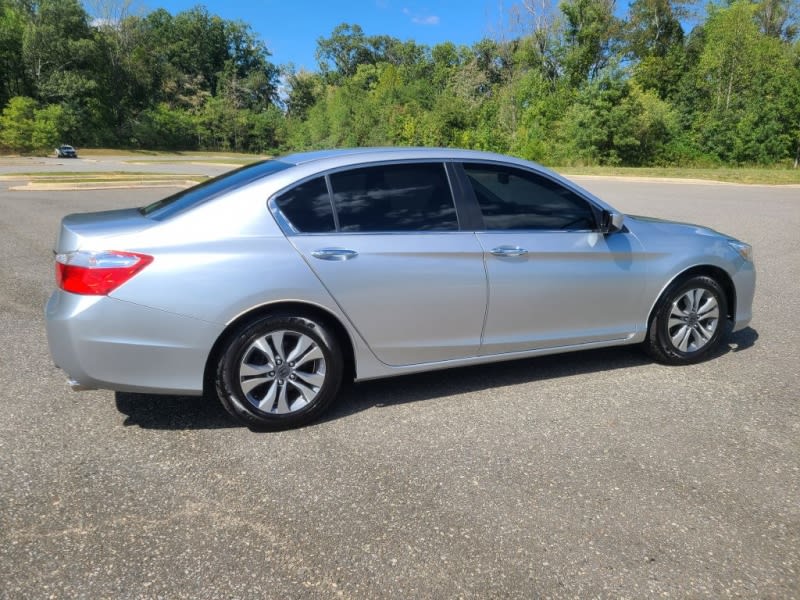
{"points": [[304, 91], [49, 124], [616, 122], [777, 18], [16, 124], [13, 79], [590, 33], [751, 82], [654, 42], [56, 41], [339, 55]]}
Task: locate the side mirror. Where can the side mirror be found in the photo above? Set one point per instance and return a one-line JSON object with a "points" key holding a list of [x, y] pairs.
{"points": [[611, 222]]}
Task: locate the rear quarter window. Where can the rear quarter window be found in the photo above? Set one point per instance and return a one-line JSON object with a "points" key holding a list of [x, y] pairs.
{"points": [[308, 207]]}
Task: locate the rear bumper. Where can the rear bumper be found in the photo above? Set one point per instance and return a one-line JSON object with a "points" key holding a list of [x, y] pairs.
{"points": [[105, 343]]}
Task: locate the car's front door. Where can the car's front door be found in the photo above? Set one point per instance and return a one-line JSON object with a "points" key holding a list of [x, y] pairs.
{"points": [[411, 283], [554, 280]]}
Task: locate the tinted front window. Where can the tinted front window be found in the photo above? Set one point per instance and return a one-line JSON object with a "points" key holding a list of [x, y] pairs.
{"points": [[516, 199], [308, 207], [404, 197]]}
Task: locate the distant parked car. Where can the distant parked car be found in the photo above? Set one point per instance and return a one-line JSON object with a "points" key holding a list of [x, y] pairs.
{"points": [[271, 284], [65, 151]]}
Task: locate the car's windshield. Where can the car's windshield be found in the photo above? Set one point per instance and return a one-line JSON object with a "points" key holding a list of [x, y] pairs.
{"points": [[185, 199]]}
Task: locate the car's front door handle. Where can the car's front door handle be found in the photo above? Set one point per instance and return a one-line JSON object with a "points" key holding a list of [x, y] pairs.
{"points": [[334, 254], [509, 251]]}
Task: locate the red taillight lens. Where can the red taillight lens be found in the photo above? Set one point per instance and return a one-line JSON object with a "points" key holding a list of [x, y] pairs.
{"points": [[97, 273]]}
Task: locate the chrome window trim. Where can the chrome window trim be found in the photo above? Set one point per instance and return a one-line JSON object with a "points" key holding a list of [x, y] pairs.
{"points": [[283, 223], [510, 231], [289, 230]]}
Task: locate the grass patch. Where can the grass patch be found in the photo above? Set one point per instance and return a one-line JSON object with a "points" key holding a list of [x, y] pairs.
{"points": [[202, 160], [774, 176], [102, 177], [104, 174], [166, 154]]}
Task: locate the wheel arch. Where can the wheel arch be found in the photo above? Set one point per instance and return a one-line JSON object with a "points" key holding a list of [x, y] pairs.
{"points": [[718, 274], [283, 307]]}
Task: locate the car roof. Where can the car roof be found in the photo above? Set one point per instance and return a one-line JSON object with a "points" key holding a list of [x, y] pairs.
{"points": [[349, 156], [315, 162]]}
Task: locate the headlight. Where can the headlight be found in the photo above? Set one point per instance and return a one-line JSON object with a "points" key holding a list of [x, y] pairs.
{"points": [[744, 250]]}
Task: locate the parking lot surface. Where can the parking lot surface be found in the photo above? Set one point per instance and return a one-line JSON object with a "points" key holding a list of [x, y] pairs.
{"points": [[594, 474]]}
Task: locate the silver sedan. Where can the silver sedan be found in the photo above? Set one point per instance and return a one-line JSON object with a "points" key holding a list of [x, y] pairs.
{"points": [[271, 284]]}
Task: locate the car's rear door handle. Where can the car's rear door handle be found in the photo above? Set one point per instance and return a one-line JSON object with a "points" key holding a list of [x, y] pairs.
{"points": [[508, 251], [334, 254]]}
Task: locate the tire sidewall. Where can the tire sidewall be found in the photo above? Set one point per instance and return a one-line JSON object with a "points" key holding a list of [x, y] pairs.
{"points": [[229, 389], [659, 329]]}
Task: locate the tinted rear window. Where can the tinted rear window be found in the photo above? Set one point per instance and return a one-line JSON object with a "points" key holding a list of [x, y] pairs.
{"points": [[227, 182], [402, 197]]}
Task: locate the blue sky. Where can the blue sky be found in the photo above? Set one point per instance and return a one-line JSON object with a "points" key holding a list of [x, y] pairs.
{"points": [[291, 28]]}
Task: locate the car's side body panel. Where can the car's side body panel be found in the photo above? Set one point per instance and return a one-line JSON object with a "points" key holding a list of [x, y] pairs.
{"points": [[414, 298], [568, 288], [676, 248]]}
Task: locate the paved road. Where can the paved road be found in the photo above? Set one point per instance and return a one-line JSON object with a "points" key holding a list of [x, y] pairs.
{"points": [[597, 474]]}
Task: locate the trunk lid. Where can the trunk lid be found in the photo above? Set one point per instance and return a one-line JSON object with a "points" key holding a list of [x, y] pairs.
{"points": [[83, 229]]}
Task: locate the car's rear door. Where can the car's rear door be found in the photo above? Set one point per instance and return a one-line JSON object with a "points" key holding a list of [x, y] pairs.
{"points": [[554, 280], [394, 259]]}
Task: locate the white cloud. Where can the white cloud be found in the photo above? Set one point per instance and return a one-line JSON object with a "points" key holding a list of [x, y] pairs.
{"points": [[421, 19], [429, 20]]}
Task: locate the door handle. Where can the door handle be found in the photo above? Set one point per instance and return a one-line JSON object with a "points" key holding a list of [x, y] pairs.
{"points": [[508, 251], [334, 254]]}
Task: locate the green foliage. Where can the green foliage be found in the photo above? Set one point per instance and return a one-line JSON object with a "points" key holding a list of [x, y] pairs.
{"points": [[577, 84], [751, 82], [25, 128], [777, 18], [13, 81], [588, 89], [614, 122], [16, 124], [163, 127], [591, 30], [48, 126]]}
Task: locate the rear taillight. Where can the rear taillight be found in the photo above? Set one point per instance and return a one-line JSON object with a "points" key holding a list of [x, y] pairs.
{"points": [[97, 273]]}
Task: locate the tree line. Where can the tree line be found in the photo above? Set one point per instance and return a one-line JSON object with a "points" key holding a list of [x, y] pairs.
{"points": [[569, 84]]}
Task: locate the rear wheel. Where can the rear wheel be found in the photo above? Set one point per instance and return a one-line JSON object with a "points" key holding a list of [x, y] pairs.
{"points": [[279, 372], [689, 322]]}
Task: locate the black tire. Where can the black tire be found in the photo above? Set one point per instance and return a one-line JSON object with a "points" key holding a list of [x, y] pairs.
{"points": [[679, 333], [258, 384]]}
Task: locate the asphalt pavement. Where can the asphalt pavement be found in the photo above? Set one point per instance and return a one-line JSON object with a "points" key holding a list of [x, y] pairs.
{"points": [[594, 474]]}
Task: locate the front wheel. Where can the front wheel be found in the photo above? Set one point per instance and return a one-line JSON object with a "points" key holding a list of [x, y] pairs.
{"points": [[279, 372], [689, 322]]}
